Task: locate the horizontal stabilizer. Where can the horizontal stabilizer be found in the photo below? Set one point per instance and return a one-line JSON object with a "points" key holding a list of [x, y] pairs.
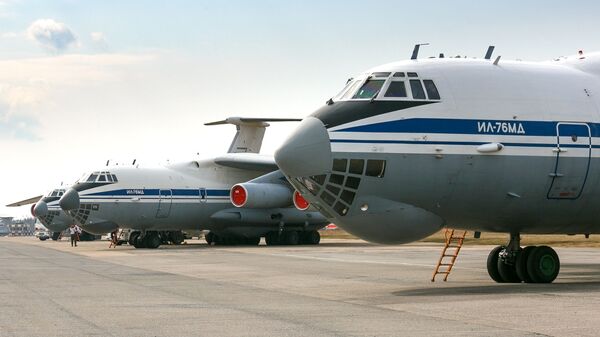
{"points": [[250, 132], [247, 161], [25, 202]]}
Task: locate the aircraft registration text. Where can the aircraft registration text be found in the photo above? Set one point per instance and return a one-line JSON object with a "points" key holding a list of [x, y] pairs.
{"points": [[500, 127]]}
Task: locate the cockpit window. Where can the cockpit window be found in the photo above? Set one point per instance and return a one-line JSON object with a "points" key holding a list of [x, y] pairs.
{"points": [[369, 89], [102, 178], [92, 178], [396, 89], [351, 89], [432, 91], [114, 178], [54, 194], [417, 89]]}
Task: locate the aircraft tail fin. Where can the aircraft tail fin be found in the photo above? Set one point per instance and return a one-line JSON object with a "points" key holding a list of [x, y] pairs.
{"points": [[250, 132]]}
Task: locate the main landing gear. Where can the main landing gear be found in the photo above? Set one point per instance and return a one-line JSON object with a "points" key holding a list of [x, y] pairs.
{"points": [[513, 264], [153, 239]]}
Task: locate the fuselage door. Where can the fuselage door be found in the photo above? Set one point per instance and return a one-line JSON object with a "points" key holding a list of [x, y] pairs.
{"points": [[203, 195], [573, 151], [164, 203]]}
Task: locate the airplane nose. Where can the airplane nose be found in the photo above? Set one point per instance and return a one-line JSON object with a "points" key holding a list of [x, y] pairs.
{"points": [[307, 151], [40, 209], [70, 200]]}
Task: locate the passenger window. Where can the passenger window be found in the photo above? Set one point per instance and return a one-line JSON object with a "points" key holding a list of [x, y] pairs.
{"points": [[417, 89], [396, 89], [432, 91], [102, 178], [369, 89]]}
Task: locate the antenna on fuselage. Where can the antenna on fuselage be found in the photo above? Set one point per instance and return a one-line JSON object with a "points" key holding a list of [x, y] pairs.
{"points": [[108, 161], [133, 162], [497, 60], [489, 52], [415, 52]]}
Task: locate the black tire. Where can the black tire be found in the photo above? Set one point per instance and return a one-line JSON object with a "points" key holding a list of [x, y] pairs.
{"points": [[218, 240], [311, 238], [291, 238], [176, 237], [139, 241], [55, 236], [543, 265], [152, 240], [133, 237], [508, 272], [209, 238], [272, 239], [492, 264], [521, 264]]}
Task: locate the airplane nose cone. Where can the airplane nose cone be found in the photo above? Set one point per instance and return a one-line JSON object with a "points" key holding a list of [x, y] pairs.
{"points": [[40, 209], [307, 151], [70, 200]]}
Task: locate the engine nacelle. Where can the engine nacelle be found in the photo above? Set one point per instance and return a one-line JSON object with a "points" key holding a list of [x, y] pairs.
{"points": [[259, 195]]}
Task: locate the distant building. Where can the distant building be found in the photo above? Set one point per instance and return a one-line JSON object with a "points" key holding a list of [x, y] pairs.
{"points": [[24, 227]]}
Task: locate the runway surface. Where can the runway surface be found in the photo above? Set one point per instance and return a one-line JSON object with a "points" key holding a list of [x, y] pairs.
{"points": [[340, 288]]}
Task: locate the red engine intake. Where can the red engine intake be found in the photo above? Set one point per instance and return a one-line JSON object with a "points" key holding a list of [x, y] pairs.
{"points": [[300, 202], [239, 196], [31, 210]]}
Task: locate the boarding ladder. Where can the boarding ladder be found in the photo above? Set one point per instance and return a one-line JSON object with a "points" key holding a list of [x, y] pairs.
{"points": [[454, 241], [115, 240]]}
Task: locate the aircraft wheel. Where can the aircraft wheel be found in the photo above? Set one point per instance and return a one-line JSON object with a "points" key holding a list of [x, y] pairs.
{"points": [[291, 238], [55, 235], [209, 238], [176, 237], [311, 238], [152, 240], [521, 264], [139, 241], [543, 264], [218, 240], [492, 264], [133, 237], [508, 272], [272, 239]]}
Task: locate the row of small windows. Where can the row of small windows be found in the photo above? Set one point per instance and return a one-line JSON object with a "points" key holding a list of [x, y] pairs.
{"points": [[370, 89]]}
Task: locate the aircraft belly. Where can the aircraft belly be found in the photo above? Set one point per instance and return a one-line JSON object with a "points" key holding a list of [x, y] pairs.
{"points": [[481, 192]]}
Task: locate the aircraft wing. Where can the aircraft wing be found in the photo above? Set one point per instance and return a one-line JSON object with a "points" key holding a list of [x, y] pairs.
{"points": [[25, 202], [247, 161]]}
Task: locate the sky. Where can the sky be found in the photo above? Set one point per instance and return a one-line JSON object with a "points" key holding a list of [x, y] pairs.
{"points": [[83, 82]]}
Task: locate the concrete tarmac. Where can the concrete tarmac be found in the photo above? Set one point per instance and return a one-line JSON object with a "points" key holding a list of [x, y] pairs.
{"points": [[339, 288]]}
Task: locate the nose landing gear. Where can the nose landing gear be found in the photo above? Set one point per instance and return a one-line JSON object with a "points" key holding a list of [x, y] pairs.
{"points": [[513, 264]]}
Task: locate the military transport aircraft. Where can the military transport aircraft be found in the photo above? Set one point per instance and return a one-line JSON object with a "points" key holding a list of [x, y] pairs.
{"points": [[478, 144], [195, 195]]}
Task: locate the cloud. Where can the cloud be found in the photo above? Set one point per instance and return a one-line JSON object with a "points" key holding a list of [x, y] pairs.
{"points": [[99, 41], [52, 35]]}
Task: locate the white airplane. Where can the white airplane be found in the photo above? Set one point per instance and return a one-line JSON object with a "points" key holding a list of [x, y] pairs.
{"points": [[477, 144], [194, 195]]}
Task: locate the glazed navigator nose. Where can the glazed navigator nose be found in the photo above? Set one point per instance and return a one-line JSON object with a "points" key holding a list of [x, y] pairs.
{"points": [[307, 151], [70, 200]]}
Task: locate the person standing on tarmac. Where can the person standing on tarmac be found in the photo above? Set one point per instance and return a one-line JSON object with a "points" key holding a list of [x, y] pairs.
{"points": [[74, 230]]}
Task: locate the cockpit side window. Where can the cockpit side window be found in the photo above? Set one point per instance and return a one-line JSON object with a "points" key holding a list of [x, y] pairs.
{"points": [[432, 91], [351, 89], [92, 178], [54, 194], [396, 89], [102, 178], [109, 178], [417, 89], [114, 178], [370, 89]]}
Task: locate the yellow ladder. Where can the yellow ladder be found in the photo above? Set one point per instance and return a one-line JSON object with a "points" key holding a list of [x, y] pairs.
{"points": [[449, 253]]}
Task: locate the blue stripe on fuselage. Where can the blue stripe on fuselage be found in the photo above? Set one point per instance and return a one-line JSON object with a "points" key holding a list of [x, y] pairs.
{"points": [[156, 192], [476, 127]]}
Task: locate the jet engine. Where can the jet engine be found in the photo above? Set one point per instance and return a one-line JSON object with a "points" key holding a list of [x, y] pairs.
{"points": [[260, 195]]}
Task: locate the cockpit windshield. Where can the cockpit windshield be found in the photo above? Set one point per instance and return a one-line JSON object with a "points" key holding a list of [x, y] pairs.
{"points": [[369, 89], [56, 193], [100, 177]]}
